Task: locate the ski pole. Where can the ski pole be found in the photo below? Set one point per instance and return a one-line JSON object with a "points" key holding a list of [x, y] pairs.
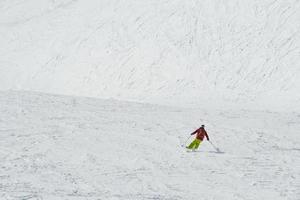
{"points": [[216, 148], [186, 140]]}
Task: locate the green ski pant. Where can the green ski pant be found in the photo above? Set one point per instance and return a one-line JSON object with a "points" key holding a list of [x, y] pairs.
{"points": [[195, 144]]}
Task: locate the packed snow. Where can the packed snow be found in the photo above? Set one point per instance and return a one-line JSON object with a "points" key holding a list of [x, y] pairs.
{"points": [[98, 98], [61, 147]]}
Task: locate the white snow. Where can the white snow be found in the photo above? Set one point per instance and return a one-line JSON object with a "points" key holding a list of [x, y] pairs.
{"points": [[58, 147], [97, 97], [168, 51]]}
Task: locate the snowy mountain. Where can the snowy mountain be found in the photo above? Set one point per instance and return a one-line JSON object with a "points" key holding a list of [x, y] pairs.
{"points": [[207, 52]]}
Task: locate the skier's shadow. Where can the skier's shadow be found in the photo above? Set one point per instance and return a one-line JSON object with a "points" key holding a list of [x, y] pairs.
{"points": [[215, 152]]}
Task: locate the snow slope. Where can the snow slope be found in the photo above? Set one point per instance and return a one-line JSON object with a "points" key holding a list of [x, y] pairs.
{"points": [[58, 147], [229, 64], [168, 51]]}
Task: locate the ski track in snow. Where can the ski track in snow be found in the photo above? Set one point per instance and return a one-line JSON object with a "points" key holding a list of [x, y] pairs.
{"points": [[63, 147], [171, 51], [237, 59]]}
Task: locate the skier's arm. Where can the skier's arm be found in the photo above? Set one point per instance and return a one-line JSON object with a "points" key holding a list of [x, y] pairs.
{"points": [[194, 132]]}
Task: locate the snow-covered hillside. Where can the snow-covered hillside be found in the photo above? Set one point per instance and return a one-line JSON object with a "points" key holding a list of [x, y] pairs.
{"points": [[168, 51], [57, 147], [158, 69]]}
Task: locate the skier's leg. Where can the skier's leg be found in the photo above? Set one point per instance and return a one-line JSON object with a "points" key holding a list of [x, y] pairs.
{"points": [[198, 142], [191, 146]]}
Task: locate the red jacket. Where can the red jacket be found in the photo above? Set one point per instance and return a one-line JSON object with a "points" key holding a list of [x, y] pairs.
{"points": [[201, 133]]}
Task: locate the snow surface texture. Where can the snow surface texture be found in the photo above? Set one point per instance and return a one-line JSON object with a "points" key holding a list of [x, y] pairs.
{"points": [[167, 51], [56, 147], [214, 62]]}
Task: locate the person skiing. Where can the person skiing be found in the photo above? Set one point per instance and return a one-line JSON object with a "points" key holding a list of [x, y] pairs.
{"points": [[201, 133]]}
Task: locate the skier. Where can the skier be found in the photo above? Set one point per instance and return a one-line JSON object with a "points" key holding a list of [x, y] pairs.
{"points": [[201, 133]]}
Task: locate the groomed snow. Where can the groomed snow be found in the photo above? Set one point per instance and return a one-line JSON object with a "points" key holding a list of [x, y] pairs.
{"points": [[63, 147]]}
